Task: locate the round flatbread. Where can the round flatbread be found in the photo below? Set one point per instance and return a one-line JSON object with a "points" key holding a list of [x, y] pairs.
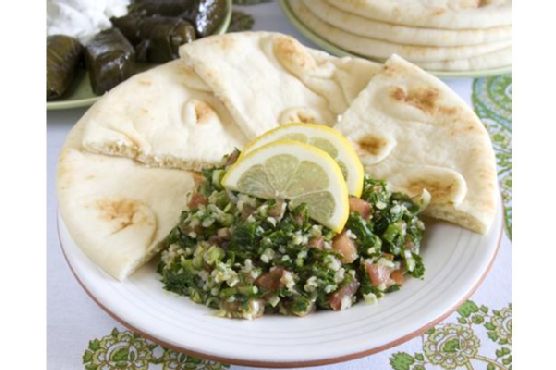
{"points": [[450, 14], [380, 49], [366, 27], [496, 59]]}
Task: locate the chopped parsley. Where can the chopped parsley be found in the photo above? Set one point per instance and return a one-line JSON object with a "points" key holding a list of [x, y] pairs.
{"points": [[245, 256]]}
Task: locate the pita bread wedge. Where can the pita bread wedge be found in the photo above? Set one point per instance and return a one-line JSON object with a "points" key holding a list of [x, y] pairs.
{"points": [[412, 130], [266, 79], [451, 14], [117, 210], [165, 117], [381, 49], [400, 34]]}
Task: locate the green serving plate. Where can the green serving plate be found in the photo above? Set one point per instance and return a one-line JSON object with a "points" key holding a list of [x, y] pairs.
{"points": [[81, 94], [336, 50]]}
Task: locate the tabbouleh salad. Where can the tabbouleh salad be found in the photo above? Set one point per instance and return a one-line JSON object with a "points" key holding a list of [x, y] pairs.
{"points": [[245, 256]]}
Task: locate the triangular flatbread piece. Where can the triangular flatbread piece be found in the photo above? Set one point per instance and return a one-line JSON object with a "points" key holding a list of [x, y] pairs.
{"points": [[266, 79], [165, 117], [115, 209], [412, 130]]}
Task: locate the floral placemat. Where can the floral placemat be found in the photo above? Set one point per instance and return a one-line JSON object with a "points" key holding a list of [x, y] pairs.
{"points": [[477, 336], [492, 101], [448, 346], [457, 345], [126, 350]]}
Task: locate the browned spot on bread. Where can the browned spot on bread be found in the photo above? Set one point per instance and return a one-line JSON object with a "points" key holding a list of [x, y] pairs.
{"points": [[439, 192], [372, 144], [185, 69], [438, 11], [203, 112], [306, 118], [145, 82], [423, 98], [448, 110], [292, 53], [63, 164], [122, 211], [392, 70], [466, 4], [463, 128], [470, 128], [299, 115], [398, 93]]}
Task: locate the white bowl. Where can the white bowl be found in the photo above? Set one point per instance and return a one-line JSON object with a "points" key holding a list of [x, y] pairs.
{"points": [[456, 260]]}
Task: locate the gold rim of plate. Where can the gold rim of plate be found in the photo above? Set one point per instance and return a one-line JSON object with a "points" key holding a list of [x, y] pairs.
{"points": [[83, 96], [338, 51]]}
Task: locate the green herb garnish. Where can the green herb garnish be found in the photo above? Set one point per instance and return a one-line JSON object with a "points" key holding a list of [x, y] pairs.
{"points": [[245, 256]]}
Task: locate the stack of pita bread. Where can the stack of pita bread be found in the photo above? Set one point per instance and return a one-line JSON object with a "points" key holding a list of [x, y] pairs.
{"points": [[126, 168], [438, 35]]}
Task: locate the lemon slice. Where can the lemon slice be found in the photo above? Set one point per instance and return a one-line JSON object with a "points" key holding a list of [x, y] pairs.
{"points": [[325, 138], [301, 173]]}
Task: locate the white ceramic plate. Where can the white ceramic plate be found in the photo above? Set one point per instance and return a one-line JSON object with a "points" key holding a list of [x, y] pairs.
{"points": [[456, 260]]}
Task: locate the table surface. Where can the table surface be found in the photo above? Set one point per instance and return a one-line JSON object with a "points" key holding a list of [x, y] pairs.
{"points": [[78, 330]]}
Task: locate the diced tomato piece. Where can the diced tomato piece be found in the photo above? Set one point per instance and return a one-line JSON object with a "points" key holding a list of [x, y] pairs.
{"points": [[346, 247], [277, 210], [270, 281], [316, 242], [378, 274], [359, 205], [397, 277], [335, 300], [196, 200]]}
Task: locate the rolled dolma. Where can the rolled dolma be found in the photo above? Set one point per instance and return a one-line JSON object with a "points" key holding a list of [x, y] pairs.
{"points": [[182, 8], [156, 38], [205, 15], [209, 14], [110, 59], [129, 25], [63, 55], [240, 22], [161, 38]]}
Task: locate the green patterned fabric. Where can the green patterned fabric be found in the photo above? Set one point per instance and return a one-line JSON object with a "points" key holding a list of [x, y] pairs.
{"points": [[492, 100], [125, 350], [457, 345]]}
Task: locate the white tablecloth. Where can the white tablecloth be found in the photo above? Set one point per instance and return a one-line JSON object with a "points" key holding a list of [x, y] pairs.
{"points": [[74, 320]]}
